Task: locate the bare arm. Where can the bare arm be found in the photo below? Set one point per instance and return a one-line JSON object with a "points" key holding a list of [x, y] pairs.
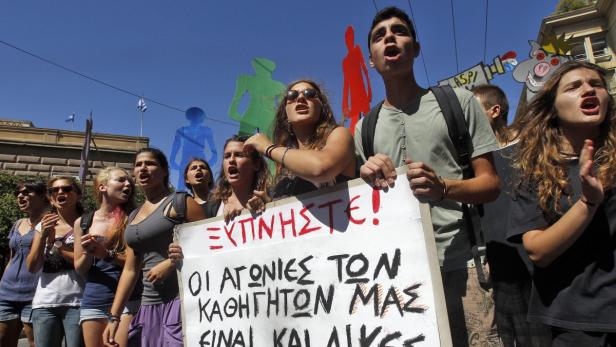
{"points": [[126, 284], [428, 186], [545, 246], [82, 260], [36, 258], [316, 165], [482, 188], [194, 212]]}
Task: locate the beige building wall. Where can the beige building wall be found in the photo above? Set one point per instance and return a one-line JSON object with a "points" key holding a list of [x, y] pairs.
{"points": [[31, 151], [593, 29]]}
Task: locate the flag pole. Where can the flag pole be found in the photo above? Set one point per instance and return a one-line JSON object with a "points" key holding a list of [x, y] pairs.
{"points": [[141, 126]]}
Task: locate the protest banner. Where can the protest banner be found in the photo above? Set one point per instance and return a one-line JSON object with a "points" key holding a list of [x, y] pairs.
{"points": [[345, 266]]}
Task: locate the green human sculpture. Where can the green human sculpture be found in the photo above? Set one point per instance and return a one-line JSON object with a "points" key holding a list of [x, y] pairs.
{"points": [[263, 92]]}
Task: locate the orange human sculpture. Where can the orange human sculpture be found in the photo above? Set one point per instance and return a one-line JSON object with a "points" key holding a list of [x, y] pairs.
{"points": [[354, 70]]}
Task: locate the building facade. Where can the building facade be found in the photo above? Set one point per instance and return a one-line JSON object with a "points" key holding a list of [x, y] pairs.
{"points": [[591, 31], [30, 151]]}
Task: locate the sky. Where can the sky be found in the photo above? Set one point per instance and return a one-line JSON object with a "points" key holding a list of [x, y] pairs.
{"points": [[190, 53]]}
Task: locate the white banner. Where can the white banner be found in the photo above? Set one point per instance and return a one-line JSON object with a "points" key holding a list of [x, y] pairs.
{"points": [[346, 266]]}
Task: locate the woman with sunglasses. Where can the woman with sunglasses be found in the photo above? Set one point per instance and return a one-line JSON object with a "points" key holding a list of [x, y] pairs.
{"points": [[100, 255], [564, 207], [18, 285], [55, 307], [199, 180], [309, 148], [148, 235]]}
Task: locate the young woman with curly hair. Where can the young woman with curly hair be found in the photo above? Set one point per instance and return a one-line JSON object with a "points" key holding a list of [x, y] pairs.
{"points": [[564, 208], [309, 148]]}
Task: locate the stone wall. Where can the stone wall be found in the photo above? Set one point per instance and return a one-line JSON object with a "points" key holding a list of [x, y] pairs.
{"points": [[31, 151]]}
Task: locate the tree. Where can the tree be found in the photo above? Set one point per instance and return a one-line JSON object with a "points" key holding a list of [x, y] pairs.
{"points": [[571, 5], [9, 211]]}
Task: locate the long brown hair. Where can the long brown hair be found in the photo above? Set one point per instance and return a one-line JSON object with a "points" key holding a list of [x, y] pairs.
{"points": [[259, 182], [121, 212], [539, 158], [283, 133]]}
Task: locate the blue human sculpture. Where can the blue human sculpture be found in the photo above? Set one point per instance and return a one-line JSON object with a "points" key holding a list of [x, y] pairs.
{"points": [[192, 139]]}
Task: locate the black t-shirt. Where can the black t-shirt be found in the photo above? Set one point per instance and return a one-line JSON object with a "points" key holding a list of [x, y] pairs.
{"points": [[508, 261], [578, 290]]}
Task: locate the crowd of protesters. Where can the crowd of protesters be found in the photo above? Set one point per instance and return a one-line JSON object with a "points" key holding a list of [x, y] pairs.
{"points": [[544, 278]]}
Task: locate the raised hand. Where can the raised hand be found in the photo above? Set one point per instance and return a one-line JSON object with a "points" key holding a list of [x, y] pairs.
{"points": [[592, 188]]}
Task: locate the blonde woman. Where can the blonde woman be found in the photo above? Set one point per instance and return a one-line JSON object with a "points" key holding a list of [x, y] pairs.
{"points": [[100, 255]]}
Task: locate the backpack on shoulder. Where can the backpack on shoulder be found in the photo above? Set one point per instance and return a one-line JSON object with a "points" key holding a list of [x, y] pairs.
{"points": [[459, 135]]}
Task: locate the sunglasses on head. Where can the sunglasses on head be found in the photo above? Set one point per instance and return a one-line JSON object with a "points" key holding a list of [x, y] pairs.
{"points": [[309, 93], [66, 189]]}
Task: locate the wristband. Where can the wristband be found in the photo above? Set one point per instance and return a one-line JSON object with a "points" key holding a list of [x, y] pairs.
{"points": [[444, 192], [114, 318], [269, 149]]}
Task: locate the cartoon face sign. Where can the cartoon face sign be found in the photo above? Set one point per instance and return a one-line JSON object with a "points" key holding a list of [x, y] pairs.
{"points": [[536, 70]]}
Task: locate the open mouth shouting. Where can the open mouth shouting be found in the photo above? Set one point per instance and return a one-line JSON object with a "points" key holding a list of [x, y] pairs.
{"points": [[61, 199], [302, 108], [233, 172], [22, 203], [143, 177], [590, 106], [392, 53]]}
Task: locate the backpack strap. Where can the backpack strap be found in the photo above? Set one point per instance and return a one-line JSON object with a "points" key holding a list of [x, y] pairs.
{"points": [[179, 204], [459, 135], [86, 222], [456, 126], [367, 130]]}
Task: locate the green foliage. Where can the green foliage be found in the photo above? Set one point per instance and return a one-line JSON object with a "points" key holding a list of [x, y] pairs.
{"points": [[9, 212], [570, 5]]}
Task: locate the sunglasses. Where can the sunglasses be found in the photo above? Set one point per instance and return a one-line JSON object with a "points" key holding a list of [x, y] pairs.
{"points": [[56, 190], [309, 93], [23, 192]]}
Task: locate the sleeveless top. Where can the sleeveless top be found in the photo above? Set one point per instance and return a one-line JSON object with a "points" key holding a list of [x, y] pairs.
{"points": [[102, 282], [58, 285], [19, 284], [294, 185], [150, 240]]}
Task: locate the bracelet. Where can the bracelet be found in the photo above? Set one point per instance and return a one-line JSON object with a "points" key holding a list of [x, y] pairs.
{"points": [[444, 193], [269, 149], [591, 204], [283, 154], [114, 318]]}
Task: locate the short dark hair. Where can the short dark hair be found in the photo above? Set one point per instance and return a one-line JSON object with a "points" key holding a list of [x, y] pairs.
{"points": [[391, 12], [491, 95], [160, 158]]}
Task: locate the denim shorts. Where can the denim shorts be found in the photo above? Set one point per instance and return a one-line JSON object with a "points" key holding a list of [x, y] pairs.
{"points": [[97, 313], [10, 310]]}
